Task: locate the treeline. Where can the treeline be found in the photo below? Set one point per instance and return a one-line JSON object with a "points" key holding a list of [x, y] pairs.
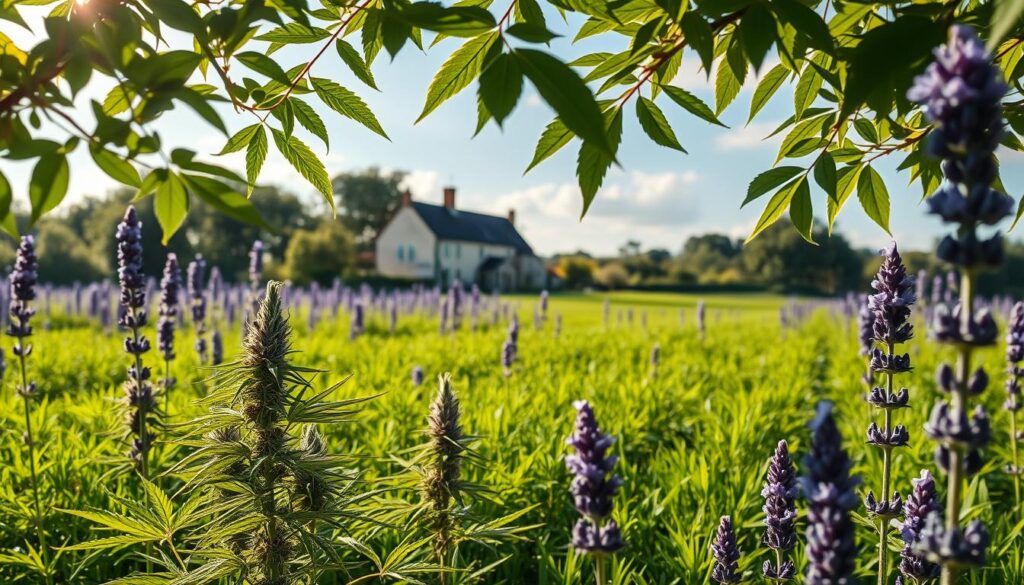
{"points": [[778, 260], [307, 243]]}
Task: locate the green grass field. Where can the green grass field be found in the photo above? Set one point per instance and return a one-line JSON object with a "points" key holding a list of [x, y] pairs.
{"points": [[694, 439]]}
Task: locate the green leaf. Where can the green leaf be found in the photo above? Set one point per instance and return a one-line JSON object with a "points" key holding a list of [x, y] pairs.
{"points": [[801, 212], [456, 21], [294, 33], [355, 62], [240, 139], [655, 124], [347, 104], [552, 139], [1016, 218], [806, 91], [846, 180], [1006, 15], [500, 86], [48, 185], [566, 93], [807, 23], [727, 86], [255, 154], [766, 88], [531, 33], [811, 128], [225, 200], [262, 64], [593, 162], [692, 104], [757, 32], [874, 197], [306, 163], [309, 119], [825, 175], [700, 37], [769, 180], [866, 130], [170, 205], [6, 199], [777, 205], [115, 167], [178, 15], [202, 107], [458, 71], [882, 66], [118, 100]]}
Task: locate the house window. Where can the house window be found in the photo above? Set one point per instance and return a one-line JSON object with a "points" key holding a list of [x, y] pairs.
{"points": [[458, 250], [401, 254], [412, 253]]}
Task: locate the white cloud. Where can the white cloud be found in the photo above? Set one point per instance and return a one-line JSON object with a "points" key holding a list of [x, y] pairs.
{"points": [[423, 184], [747, 137], [533, 100]]}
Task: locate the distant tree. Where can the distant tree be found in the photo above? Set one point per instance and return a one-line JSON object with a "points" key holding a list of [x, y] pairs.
{"points": [[64, 257], [366, 200], [629, 249], [708, 256], [658, 255], [576, 271], [612, 275], [321, 254], [780, 259]]}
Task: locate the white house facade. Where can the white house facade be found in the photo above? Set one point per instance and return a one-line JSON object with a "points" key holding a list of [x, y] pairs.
{"points": [[444, 244]]}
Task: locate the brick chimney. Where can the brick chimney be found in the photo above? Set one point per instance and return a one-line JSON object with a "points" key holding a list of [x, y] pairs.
{"points": [[406, 198], [512, 216], [449, 197]]}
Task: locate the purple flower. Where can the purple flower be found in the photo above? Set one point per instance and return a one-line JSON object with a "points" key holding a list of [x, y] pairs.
{"points": [[197, 303], [23, 292], [921, 502], [779, 493], [725, 553], [256, 263], [217, 348], [894, 295], [417, 375], [137, 389], [594, 484], [170, 283], [508, 355], [830, 490], [358, 323], [944, 545]]}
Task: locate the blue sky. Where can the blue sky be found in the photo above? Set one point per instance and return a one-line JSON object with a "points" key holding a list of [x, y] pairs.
{"points": [[658, 196]]}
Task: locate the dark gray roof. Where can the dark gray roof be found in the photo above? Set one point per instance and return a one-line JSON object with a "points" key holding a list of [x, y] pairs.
{"points": [[454, 224]]}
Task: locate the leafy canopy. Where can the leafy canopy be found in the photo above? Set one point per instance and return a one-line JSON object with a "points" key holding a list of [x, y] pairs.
{"points": [[849, 64]]}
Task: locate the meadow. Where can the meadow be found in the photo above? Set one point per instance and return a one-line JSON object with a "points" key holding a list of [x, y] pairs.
{"points": [[694, 435]]}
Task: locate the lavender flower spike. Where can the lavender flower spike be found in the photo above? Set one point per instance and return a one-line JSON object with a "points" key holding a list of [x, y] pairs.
{"points": [[594, 485], [1013, 404], [922, 502], [726, 555], [170, 283], [831, 547], [197, 296], [779, 493]]}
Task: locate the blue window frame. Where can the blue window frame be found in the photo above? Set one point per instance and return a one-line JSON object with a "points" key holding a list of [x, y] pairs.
{"points": [[412, 253], [401, 253]]}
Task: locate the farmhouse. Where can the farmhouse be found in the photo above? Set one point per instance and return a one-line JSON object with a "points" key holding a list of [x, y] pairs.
{"points": [[441, 243]]}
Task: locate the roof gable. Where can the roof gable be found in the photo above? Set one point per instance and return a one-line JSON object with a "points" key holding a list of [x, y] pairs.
{"points": [[453, 224]]}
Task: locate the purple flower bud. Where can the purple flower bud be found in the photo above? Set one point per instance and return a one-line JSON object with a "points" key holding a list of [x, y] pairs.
{"points": [[725, 553], [922, 502], [22, 293], [779, 493], [831, 547], [417, 376], [941, 544], [594, 483]]}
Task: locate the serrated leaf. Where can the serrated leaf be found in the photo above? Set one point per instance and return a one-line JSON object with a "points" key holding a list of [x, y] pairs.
{"points": [[825, 175], [692, 104], [655, 124], [769, 180], [531, 33], [115, 167], [118, 100], [170, 204], [347, 104], [727, 86], [178, 15], [846, 181], [260, 63], [240, 139], [777, 205], [1005, 16], [552, 139], [225, 199], [807, 23], [801, 212], [500, 86], [699, 36], [458, 71], [294, 33], [309, 119], [593, 162], [757, 32], [766, 88], [806, 91], [566, 93], [306, 163], [874, 197], [255, 154], [6, 199], [809, 129], [355, 63], [866, 129], [48, 184]]}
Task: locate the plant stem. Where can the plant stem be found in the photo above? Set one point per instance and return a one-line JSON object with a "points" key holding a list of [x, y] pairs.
{"points": [[30, 439], [599, 569], [883, 522], [1014, 456], [959, 400]]}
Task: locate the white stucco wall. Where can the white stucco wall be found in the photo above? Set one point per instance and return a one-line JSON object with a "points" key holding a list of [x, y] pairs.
{"points": [[461, 259], [405, 247]]}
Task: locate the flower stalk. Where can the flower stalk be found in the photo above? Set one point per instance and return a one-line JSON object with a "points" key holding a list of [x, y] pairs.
{"points": [[1014, 373]]}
